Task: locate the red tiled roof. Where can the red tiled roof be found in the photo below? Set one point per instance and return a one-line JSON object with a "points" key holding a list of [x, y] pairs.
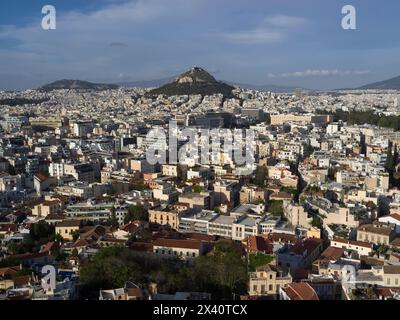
{"points": [[282, 237], [80, 243], [200, 236], [6, 227], [309, 245], [141, 246], [259, 244], [172, 243], [50, 246], [301, 291], [332, 253], [9, 270], [354, 243]]}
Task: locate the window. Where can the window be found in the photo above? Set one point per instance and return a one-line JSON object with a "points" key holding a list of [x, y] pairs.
{"points": [[270, 276], [263, 288], [255, 287], [270, 287]]}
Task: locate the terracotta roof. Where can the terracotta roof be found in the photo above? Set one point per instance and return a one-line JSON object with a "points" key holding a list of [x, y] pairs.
{"points": [[22, 280], [172, 243], [332, 253], [134, 292], [54, 216], [49, 247], [300, 274], [9, 270], [51, 202], [391, 269], [309, 245], [80, 243], [259, 244], [377, 229], [370, 261], [300, 291], [395, 216], [68, 223], [354, 243], [93, 233], [387, 292], [41, 177], [282, 237], [200, 236], [6, 227]]}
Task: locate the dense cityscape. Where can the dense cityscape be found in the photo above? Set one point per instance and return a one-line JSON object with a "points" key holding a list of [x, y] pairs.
{"points": [[315, 216], [183, 159]]}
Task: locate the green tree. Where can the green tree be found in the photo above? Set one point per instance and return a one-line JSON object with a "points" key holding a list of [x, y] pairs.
{"points": [[181, 173], [113, 218], [75, 235], [259, 259], [197, 189], [317, 222], [136, 213], [223, 271], [260, 176], [275, 207]]}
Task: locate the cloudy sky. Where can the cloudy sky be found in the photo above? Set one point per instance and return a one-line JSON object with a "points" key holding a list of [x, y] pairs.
{"points": [[283, 42]]}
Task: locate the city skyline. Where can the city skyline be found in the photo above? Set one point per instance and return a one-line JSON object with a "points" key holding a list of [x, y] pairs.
{"points": [[258, 42]]}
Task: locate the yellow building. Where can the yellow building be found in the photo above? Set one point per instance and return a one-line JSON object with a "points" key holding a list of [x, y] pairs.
{"points": [[267, 280], [314, 232], [66, 228], [165, 217], [377, 233], [46, 208]]}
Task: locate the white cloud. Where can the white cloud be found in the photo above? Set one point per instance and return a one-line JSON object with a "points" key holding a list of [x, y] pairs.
{"points": [[318, 73], [255, 36], [272, 29], [283, 21]]}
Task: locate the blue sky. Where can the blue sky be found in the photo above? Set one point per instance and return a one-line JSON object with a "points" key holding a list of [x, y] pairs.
{"points": [[283, 42]]}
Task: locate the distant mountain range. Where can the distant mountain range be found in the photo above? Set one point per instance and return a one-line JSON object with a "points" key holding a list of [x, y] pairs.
{"points": [[199, 81], [193, 81], [390, 84], [77, 85]]}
